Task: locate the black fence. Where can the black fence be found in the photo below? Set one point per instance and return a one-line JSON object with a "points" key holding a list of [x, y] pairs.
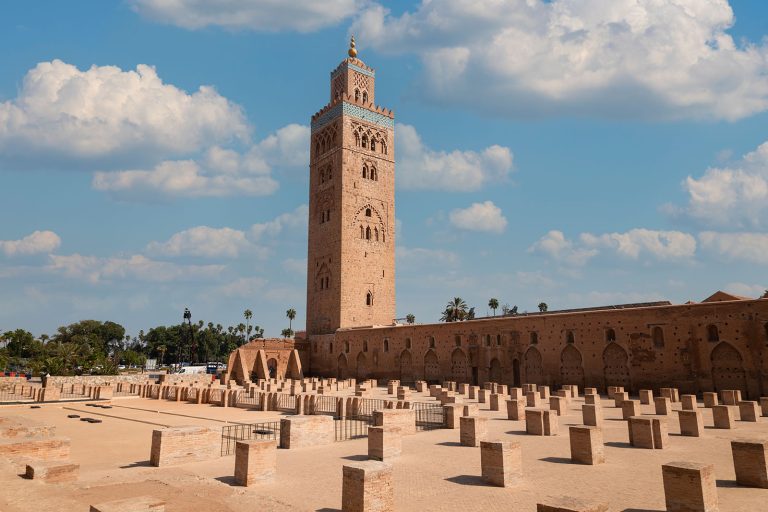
{"points": [[251, 401], [429, 416], [326, 405], [351, 428], [366, 407], [10, 396], [231, 434], [286, 403]]}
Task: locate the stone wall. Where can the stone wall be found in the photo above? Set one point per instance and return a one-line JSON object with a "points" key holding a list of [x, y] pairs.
{"points": [[707, 346]]}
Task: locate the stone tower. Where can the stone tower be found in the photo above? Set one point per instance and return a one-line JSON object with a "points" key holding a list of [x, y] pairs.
{"points": [[351, 255]]}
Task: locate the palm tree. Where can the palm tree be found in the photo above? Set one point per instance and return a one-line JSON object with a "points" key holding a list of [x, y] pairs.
{"points": [[410, 318], [291, 314], [543, 307], [241, 329], [162, 349], [248, 314], [494, 305], [455, 310]]}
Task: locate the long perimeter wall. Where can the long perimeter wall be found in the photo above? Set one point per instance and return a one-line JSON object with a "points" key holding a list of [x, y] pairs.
{"points": [[695, 347]]}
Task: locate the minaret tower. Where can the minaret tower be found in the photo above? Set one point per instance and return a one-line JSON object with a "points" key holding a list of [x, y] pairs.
{"points": [[351, 255]]}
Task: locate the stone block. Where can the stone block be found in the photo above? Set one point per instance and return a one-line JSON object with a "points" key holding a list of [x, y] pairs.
{"points": [[590, 391], [764, 405], [367, 487], [689, 487], [544, 392], [533, 399], [52, 472], [619, 397], [688, 402], [303, 431], [663, 405], [495, 401], [592, 415], [482, 395], [722, 415], [593, 399], [501, 463], [473, 430], [647, 432], [646, 396], [49, 448], [179, 445], [586, 444], [384, 443], [630, 408], [749, 410], [710, 399], [473, 392], [750, 460], [516, 409], [731, 396], [691, 422], [518, 393], [135, 504], [404, 419], [471, 409], [541, 422], [452, 414], [255, 461], [569, 504], [464, 389], [558, 404]]}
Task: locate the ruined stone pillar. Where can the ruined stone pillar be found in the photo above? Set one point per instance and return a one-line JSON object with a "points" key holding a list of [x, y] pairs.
{"points": [[586, 444], [495, 400], [646, 432], [384, 443], [557, 404], [749, 410], [473, 430], [663, 405], [619, 397], [544, 392], [516, 409], [646, 396], [710, 400], [592, 415], [255, 461], [750, 460], [689, 402], [367, 487], [501, 463], [689, 487], [541, 422], [533, 399], [722, 416], [691, 423], [593, 399], [453, 413], [629, 408]]}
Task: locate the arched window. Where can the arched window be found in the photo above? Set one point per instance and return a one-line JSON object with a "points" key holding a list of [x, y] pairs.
{"points": [[357, 139], [327, 215], [322, 146], [367, 212], [382, 239], [610, 335], [487, 340], [658, 337], [386, 345], [322, 176], [365, 98], [534, 337], [362, 231], [365, 346], [368, 233], [330, 173], [346, 347], [376, 233], [431, 342], [357, 94], [365, 171], [498, 340], [569, 337], [408, 343], [369, 299], [712, 333], [317, 149], [373, 144], [457, 340], [365, 141], [327, 282], [374, 174], [384, 148], [330, 348]]}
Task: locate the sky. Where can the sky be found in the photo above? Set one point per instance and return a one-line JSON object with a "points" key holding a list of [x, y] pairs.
{"points": [[154, 153]]}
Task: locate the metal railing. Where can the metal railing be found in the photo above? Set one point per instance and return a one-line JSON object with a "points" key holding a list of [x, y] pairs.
{"points": [[286, 403], [231, 434], [9, 395], [326, 405], [351, 428], [429, 416], [366, 406], [252, 401]]}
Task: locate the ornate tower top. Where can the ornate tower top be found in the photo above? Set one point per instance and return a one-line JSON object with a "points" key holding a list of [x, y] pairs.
{"points": [[352, 51]]}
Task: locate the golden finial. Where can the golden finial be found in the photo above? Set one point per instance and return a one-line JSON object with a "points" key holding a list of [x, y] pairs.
{"points": [[352, 52]]}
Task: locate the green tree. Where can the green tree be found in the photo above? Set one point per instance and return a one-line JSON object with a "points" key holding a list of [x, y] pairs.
{"points": [[494, 305], [286, 333], [410, 318], [455, 310], [543, 307], [248, 314], [162, 349], [291, 314]]}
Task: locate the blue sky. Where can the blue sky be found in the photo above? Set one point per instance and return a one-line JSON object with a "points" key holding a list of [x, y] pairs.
{"points": [[153, 155]]}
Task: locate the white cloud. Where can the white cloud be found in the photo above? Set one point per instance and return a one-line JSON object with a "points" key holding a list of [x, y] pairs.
{"points": [[663, 245], [38, 242], [203, 241], [751, 247], [599, 298], [295, 266], [296, 219], [416, 256], [258, 15], [642, 58], [133, 268], [419, 167], [733, 196], [484, 216], [746, 290], [556, 246], [243, 288], [63, 113], [534, 279]]}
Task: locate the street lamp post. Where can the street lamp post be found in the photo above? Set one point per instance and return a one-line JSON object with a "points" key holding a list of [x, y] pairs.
{"points": [[191, 342]]}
